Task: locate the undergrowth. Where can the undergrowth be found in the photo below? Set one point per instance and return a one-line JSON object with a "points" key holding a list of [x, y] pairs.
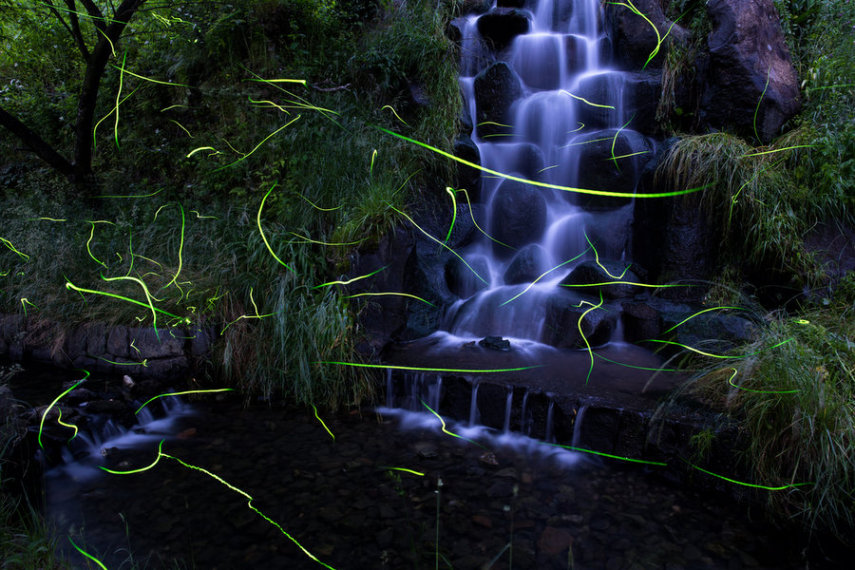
{"points": [[794, 395]]}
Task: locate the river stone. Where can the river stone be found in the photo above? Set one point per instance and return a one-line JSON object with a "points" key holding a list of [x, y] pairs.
{"points": [[495, 343], [591, 272], [518, 215], [496, 89], [749, 63], [510, 3], [562, 322], [467, 176], [502, 25], [554, 540], [600, 171], [634, 37], [528, 264]]}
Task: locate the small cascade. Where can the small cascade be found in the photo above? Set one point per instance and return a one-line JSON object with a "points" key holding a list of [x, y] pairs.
{"points": [[86, 451], [549, 108], [473, 406], [506, 427], [550, 422], [525, 419], [577, 426]]}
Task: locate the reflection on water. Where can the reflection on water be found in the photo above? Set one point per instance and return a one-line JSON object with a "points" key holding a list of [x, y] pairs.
{"points": [[503, 500]]}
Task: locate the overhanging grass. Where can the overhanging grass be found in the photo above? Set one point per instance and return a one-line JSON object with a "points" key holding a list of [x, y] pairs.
{"points": [[749, 196], [796, 403]]}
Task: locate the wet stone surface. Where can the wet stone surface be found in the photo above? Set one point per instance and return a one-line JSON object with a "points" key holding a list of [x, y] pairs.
{"points": [[534, 507]]}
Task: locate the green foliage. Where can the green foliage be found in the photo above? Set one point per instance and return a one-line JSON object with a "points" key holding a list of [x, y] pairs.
{"points": [[747, 196], [795, 395], [212, 147]]}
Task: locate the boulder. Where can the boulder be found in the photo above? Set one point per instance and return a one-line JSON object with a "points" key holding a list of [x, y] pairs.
{"points": [[496, 89], [751, 85], [588, 273], [467, 176], [635, 39], [462, 281], [501, 26], [474, 6], [528, 264], [612, 161], [518, 215], [563, 311]]}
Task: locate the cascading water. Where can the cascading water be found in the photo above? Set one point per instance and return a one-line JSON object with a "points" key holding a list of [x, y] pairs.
{"points": [[570, 126]]}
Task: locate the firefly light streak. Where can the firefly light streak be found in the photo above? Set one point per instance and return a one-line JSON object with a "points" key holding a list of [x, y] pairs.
{"points": [[542, 275], [744, 484], [349, 281], [322, 422], [700, 313], [404, 469], [222, 481], [584, 338], [264, 237], [539, 183], [390, 294], [8, 244], [735, 372], [86, 554], [609, 455], [457, 255], [445, 429], [52, 404], [423, 369], [150, 400]]}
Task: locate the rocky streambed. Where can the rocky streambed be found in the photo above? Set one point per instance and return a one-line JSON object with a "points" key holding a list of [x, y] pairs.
{"points": [[392, 490]]}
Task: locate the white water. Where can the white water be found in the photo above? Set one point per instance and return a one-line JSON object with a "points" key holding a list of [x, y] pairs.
{"points": [[572, 101], [91, 447]]}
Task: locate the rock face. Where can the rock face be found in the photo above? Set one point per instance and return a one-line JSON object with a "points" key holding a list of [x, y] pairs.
{"points": [[611, 162], [635, 39], [519, 215], [501, 26], [496, 88], [749, 64]]}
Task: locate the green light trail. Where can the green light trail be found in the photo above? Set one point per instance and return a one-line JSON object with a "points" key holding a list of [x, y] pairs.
{"points": [[609, 455], [322, 422], [184, 393], [420, 369], [261, 231]]}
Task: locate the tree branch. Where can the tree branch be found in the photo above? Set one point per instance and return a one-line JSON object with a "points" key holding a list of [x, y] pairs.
{"points": [[75, 28], [36, 143]]}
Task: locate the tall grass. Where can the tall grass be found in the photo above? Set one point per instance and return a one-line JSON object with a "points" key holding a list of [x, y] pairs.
{"points": [[748, 196], [796, 403]]}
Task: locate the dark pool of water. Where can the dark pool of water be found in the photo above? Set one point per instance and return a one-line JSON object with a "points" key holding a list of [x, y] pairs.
{"points": [[536, 507]]}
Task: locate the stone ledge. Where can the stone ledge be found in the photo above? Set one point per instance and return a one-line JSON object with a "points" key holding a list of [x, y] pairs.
{"points": [[138, 351]]}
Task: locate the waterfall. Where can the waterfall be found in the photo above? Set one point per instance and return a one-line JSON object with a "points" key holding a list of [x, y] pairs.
{"points": [[569, 124]]}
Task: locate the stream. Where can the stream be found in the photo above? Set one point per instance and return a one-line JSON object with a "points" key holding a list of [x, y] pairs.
{"points": [[505, 501]]}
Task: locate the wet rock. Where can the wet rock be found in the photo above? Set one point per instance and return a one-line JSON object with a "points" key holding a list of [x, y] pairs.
{"points": [[749, 64], [611, 161], [634, 36], [641, 322], [591, 273], [644, 90], [483, 521], [462, 281], [467, 176], [562, 322], [502, 25], [496, 89], [519, 214], [527, 265], [105, 407], [474, 6], [495, 343], [554, 540]]}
